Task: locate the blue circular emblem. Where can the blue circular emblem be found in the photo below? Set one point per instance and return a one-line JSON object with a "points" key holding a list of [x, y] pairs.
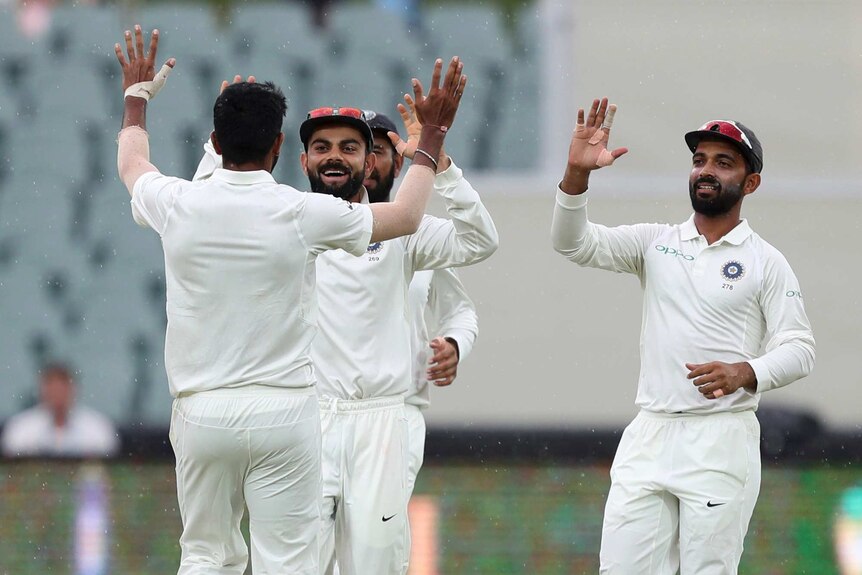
{"points": [[375, 247], [732, 271]]}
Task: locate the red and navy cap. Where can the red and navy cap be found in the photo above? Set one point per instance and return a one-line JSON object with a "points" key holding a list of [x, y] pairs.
{"points": [[353, 117], [735, 133], [380, 124]]}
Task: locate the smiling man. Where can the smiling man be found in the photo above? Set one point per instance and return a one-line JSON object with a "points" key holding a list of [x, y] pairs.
{"points": [[686, 475], [362, 352]]}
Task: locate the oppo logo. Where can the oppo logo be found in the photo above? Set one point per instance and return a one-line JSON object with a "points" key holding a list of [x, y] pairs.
{"points": [[672, 252], [794, 293]]}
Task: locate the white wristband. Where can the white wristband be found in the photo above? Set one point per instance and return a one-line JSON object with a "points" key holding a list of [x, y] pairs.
{"points": [[148, 90]]}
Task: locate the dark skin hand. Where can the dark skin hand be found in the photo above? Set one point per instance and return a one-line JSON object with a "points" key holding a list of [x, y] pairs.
{"points": [[723, 377], [444, 363], [438, 108], [138, 68]]}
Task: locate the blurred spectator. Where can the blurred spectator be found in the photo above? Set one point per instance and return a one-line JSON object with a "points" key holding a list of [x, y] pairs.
{"points": [[57, 427], [34, 17]]}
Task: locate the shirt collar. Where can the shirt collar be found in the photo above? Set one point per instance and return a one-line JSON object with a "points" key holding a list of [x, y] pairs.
{"points": [[243, 178], [738, 234], [688, 231]]}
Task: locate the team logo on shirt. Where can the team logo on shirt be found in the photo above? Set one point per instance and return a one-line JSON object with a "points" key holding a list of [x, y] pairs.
{"points": [[375, 248], [732, 271]]}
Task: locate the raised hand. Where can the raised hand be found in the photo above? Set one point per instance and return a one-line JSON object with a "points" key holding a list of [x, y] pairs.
{"points": [[236, 80], [588, 150], [140, 68], [412, 127], [438, 108]]}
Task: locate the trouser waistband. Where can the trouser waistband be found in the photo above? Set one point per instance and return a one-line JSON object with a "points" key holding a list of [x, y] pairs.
{"points": [[747, 413], [249, 390], [338, 405]]}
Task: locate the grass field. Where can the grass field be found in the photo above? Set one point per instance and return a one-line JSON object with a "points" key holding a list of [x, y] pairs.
{"points": [[488, 520]]}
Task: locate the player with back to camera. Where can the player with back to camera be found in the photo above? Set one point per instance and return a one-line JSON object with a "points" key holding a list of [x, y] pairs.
{"points": [[239, 265], [686, 474], [361, 353]]}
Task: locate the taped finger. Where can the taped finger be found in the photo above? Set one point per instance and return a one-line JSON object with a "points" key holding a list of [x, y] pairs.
{"points": [[400, 147], [605, 159], [609, 118], [148, 90], [597, 137], [718, 393]]}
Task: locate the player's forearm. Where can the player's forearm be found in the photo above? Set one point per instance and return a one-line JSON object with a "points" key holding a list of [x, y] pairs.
{"points": [[575, 182], [133, 146], [134, 112], [787, 362], [444, 161], [403, 216], [463, 339], [570, 225]]}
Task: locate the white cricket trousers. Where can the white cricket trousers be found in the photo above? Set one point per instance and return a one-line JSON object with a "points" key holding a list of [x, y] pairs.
{"points": [[416, 448], [364, 525], [683, 488], [256, 447]]}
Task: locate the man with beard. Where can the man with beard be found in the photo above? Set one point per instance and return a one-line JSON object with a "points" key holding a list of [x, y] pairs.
{"points": [[687, 471], [439, 292], [362, 352], [240, 251]]}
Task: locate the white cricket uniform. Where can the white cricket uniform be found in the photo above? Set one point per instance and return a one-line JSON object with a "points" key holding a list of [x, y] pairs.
{"points": [[362, 356], [687, 471], [440, 297], [241, 307]]}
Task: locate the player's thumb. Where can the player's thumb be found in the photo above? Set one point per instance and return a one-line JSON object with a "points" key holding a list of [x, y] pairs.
{"points": [[396, 140], [619, 152]]}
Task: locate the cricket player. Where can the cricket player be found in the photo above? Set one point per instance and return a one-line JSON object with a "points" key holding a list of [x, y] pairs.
{"points": [[437, 295], [239, 265], [723, 322], [362, 353]]}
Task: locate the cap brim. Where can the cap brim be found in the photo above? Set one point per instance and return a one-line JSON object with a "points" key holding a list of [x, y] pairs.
{"points": [[692, 139], [309, 126]]}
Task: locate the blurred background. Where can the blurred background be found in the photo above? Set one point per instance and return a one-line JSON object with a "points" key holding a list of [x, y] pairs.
{"points": [[519, 447]]}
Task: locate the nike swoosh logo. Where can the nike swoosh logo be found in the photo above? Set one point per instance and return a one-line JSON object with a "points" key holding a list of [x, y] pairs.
{"points": [[385, 519], [711, 504]]}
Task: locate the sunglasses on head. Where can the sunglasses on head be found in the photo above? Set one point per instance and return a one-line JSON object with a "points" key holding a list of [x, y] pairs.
{"points": [[331, 111], [728, 129]]}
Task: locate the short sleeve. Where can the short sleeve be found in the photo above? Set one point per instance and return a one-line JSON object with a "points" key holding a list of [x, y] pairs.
{"points": [[153, 198], [329, 223]]}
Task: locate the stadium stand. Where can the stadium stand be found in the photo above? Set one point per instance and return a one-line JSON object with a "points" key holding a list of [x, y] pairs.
{"points": [[78, 279]]}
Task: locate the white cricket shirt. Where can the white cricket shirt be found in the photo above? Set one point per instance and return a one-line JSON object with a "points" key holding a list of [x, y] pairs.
{"points": [[32, 433], [439, 297], [239, 268], [363, 347], [702, 303]]}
